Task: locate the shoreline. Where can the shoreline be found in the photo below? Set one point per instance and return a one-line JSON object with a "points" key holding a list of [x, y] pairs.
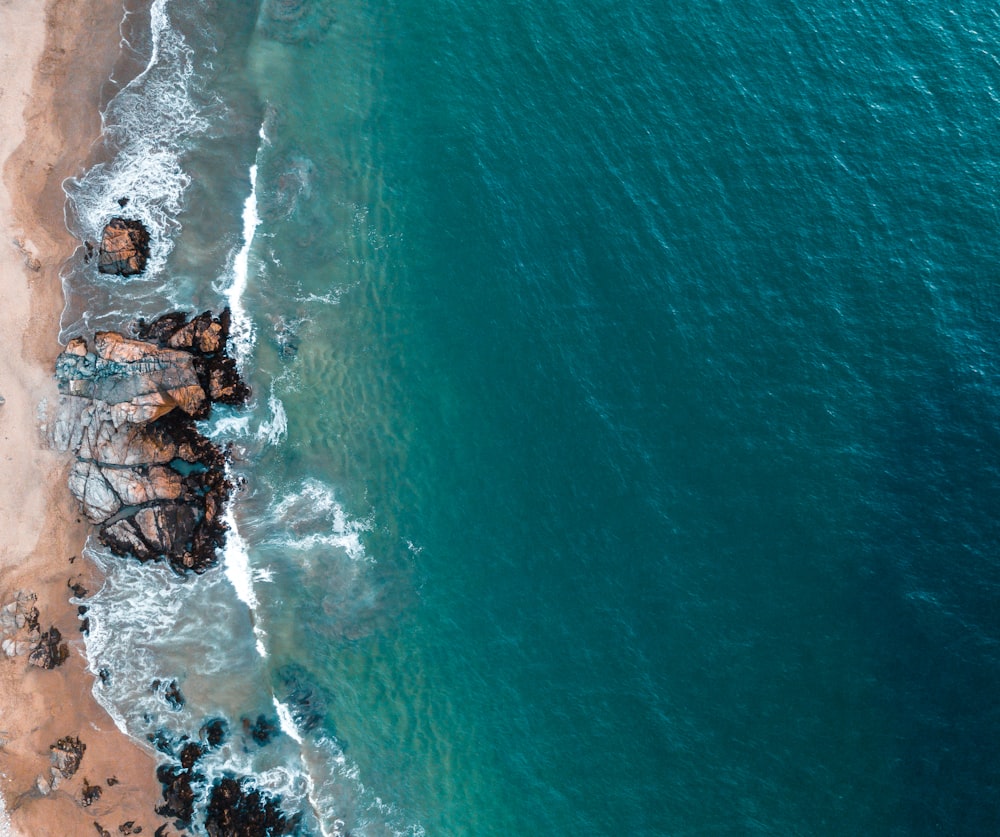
{"points": [[56, 69]]}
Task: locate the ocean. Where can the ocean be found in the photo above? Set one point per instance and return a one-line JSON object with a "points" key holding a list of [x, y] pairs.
{"points": [[623, 454]]}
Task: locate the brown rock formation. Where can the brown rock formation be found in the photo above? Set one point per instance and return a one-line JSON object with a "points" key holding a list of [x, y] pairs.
{"points": [[124, 248], [127, 412]]}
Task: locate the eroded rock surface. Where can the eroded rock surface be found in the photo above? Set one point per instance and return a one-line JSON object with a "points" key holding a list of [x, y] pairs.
{"points": [[144, 474]]}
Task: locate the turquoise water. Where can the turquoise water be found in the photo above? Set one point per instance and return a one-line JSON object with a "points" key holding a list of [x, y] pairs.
{"points": [[623, 456]]}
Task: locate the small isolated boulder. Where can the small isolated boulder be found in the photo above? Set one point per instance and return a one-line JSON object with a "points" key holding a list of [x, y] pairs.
{"points": [[124, 248]]}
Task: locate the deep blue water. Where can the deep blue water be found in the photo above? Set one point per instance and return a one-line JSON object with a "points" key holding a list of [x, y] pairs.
{"points": [[624, 454]]}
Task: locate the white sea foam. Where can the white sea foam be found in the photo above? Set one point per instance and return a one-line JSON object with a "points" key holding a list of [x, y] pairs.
{"points": [[314, 506], [286, 722], [241, 335], [227, 427], [273, 430], [236, 560]]}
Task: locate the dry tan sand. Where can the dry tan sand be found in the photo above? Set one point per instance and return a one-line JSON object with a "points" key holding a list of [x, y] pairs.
{"points": [[54, 60]]}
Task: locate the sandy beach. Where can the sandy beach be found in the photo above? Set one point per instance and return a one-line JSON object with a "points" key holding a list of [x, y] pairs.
{"points": [[54, 61]]}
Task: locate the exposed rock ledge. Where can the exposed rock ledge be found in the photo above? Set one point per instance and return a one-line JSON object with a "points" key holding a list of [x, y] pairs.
{"points": [[144, 473]]}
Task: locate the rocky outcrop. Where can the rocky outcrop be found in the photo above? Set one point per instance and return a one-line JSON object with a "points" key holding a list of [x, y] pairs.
{"points": [[236, 809], [124, 248], [67, 753], [144, 474]]}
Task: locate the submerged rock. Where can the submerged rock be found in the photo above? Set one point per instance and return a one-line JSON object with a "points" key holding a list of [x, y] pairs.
{"points": [[262, 730], [305, 700], [124, 248], [127, 411]]}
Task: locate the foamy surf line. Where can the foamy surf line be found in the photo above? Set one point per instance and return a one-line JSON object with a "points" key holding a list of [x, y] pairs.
{"points": [[242, 333]]}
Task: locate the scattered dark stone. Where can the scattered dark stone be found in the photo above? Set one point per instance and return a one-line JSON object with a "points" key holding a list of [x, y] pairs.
{"points": [[91, 793], [214, 732], [236, 809], [101, 830], [190, 755], [130, 828], [104, 675], [123, 202], [67, 753], [89, 254], [50, 651], [81, 610], [161, 831], [72, 558], [112, 781], [178, 795], [124, 247], [79, 591], [85, 626], [261, 731]]}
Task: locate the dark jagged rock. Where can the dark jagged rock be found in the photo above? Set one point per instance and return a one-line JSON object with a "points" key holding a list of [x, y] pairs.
{"points": [[112, 781], [129, 828], [236, 809], [67, 753], [128, 412], [214, 732], [91, 793], [101, 829], [124, 247], [190, 755], [262, 730], [161, 831], [178, 795], [50, 651], [173, 695]]}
